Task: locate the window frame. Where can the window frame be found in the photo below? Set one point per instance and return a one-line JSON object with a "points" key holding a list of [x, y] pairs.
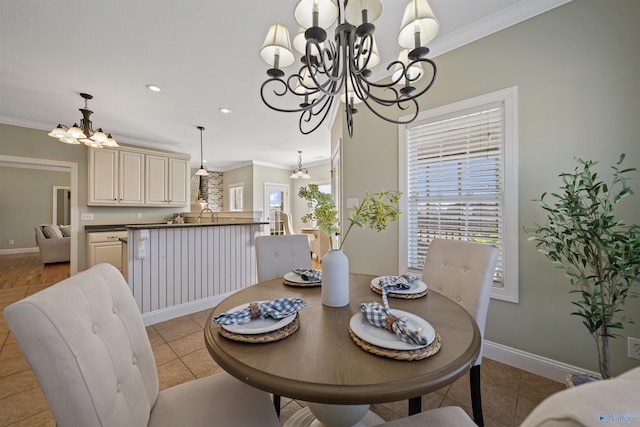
{"points": [[232, 188], [509, 98]]}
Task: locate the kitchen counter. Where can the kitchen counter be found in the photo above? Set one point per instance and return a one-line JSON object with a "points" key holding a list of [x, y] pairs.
{"points": [[219, 223], [124, 227]]}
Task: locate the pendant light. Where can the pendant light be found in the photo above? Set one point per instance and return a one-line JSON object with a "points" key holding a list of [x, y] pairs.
{"points": [[202, 171], [300, 172]]}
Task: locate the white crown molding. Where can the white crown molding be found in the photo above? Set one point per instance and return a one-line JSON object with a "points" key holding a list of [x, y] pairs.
{"points": [[512, 15]]}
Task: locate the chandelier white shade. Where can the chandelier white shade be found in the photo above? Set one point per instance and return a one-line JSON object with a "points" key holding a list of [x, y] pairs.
{"points": [[300, 172], [353, 11], [316, 13], [83, 133], [419, 25], [276, 49], [202, 171], [341, 68]]}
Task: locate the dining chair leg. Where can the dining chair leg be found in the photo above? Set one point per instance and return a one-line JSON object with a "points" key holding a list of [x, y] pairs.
{"points": [[476, 400], [415, 405], [276, 404]]}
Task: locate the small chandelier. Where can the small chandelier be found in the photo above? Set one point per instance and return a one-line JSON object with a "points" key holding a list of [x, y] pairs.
{"points": [[84, 133], [202, 171], [299, 172], [342, 68]]}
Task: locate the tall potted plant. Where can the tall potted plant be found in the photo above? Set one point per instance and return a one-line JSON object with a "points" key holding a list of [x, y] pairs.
{"points": [[600, 254], [375, 211]]}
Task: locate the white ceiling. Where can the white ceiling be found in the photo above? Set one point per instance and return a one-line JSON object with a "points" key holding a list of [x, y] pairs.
{"points": [[204, 54]]}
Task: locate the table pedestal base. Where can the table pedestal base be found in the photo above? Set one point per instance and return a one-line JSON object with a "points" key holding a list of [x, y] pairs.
{"points": [[305, 418]]}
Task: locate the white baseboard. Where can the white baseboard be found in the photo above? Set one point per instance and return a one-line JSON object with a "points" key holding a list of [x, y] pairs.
{"points": [[539, 365], [157, 316], [19, 251]]}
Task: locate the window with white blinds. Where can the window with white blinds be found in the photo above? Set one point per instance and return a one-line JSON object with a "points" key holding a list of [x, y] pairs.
{"points": [[455, 183]]}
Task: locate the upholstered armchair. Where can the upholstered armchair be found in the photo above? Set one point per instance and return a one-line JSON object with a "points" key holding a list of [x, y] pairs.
{"points": [[53, 249]]}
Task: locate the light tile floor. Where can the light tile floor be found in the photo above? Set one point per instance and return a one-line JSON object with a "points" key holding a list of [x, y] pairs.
{"points": [[508, 394]]}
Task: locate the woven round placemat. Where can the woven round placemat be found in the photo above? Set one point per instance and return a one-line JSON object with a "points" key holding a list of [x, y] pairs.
{"points": [[276, 335], [418, 354], [301, 285], [397, 295]]}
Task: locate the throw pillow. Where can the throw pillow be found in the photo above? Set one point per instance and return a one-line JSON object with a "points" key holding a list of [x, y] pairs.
{"points": [[65, 230], [51, 231]]}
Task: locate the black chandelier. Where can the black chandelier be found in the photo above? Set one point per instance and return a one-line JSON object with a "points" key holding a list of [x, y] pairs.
{"points": [[343, 67], [84, 133]]}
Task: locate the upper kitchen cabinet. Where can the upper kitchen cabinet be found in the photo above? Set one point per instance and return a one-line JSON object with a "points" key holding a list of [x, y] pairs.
{"points": [[167, 181], [131, 177], [103, 177]]}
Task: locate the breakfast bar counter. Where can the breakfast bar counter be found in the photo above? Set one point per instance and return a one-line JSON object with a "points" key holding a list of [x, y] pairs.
{"points": [[178, 269]]}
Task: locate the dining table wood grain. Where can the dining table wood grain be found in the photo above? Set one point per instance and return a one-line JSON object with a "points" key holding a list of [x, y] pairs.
{"points": [[321, 363]]}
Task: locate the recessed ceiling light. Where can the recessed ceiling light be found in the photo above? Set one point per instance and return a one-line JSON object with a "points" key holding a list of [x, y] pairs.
{"points": [[152, 88], [225, 110]]}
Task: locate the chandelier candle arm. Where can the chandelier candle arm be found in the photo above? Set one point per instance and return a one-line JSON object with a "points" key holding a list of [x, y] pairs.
{"points": [[83, 133], [342, 67]]}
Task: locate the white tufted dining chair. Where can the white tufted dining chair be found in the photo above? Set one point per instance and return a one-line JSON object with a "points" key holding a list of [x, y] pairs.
{"points": [[277, 255], [462, 271], [87, 345]]}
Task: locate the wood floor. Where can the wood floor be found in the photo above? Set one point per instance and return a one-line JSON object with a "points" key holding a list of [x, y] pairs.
{"points": [[17, 270]]}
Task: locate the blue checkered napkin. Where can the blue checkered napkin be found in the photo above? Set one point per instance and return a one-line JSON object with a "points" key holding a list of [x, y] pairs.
{"points": [[309, 274], [276, 309], [377, 315], [396, 283]]}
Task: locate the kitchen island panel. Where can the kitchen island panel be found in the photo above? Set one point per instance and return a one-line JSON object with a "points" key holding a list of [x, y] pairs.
{"points": [[175, 271]]}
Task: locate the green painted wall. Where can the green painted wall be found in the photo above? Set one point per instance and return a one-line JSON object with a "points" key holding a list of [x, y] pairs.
{"points": [[242, 175], [26, 200], [266, 174], [576, 68]]}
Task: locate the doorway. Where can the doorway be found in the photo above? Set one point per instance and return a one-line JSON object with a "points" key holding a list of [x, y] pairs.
{"points": [[70, 167], [61, 205], [276, 201]]}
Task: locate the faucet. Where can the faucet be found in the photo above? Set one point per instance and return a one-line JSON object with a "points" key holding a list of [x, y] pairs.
{"points": [[214, 215]]}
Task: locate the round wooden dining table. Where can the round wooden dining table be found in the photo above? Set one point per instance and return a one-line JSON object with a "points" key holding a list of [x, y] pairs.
{"points": [[321, 363]]}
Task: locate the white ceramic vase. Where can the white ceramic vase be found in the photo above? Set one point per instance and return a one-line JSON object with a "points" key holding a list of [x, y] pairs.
{"points": [[335, 279]]}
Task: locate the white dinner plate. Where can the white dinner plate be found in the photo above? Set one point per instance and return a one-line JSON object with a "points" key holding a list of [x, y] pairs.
{"points": [[414, 288], [387, 339], [257, 326], [296, 278]]}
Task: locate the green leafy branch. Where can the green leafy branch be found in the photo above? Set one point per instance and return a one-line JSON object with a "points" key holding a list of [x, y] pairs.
{"points": [[375, 211]]}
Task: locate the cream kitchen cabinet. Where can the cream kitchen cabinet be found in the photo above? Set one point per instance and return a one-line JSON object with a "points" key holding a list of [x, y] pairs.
{"points": [[167, 181], [116, 177], [131, 178], [105, 247], [103, 177], [136, 177]]}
